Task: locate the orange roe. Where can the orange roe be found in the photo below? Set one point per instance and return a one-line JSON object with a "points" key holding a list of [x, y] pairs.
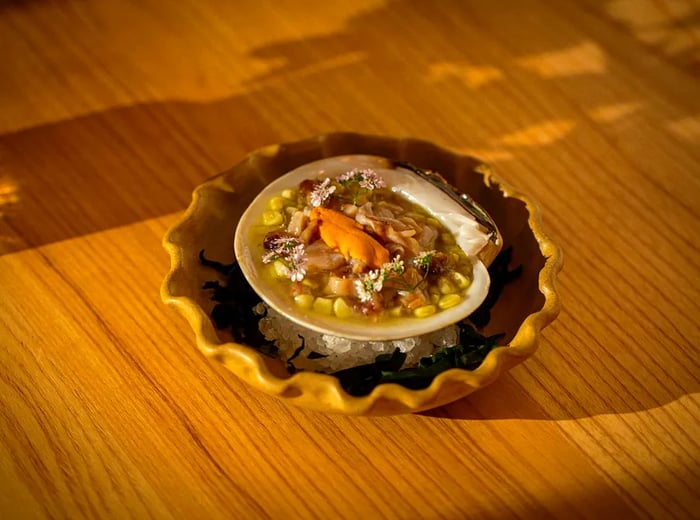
{"points": [[347, 236]]}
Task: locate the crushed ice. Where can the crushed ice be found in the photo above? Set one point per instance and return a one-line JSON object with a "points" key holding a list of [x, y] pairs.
{"points": [[341, 353]]}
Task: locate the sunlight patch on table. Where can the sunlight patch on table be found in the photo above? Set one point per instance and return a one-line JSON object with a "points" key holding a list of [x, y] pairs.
{"points": [[540, 134], [281, 72], [671, 26], [585, 58], [471, 75], [9, 193], [613, 112], [647, 13], [687, 128], [672, 42]]}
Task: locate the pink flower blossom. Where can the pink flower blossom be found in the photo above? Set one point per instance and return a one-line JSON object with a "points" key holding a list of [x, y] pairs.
{"points": [[321, 193], [366, 178]]}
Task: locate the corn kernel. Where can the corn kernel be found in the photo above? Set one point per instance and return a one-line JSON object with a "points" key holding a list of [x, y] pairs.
{"points": [[323, 305], [396, 312], [462, 281], [449, 300], [461, 254], [305, 301], [434, 298], [272, 218], [341, 308], [310, 283], [446, 287], [279, 269], [275, 203], [425, 311], [433, 222], [289, 194]]}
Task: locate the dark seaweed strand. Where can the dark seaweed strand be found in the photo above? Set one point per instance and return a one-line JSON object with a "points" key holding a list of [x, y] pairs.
{"points": [[362, 379], [224, 269], [234, 310], [468, 355], [290, 362]]}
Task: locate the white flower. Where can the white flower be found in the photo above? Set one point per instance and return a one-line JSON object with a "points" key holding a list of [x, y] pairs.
{"points": [[394, 267], [298, 274], [270, 256], [362, 293], [371, 180], [321, 193], [422, 259], [291, 251], [369, 284], [297, 262], [376, 279], [373, 281], [366, 178]]}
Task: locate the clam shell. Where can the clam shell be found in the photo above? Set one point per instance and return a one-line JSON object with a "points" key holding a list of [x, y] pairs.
{"points": [[473, 229]]}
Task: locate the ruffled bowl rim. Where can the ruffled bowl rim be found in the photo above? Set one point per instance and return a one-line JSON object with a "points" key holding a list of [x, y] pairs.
{"points": [[323, 392]]}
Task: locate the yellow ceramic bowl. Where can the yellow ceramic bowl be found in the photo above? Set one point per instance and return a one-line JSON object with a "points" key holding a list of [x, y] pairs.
{"points": [[525, 307]]}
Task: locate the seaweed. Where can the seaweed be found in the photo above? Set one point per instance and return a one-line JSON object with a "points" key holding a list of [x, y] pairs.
{"points": [[290, 362], [468, 354], [236, 301], [360, 380]]}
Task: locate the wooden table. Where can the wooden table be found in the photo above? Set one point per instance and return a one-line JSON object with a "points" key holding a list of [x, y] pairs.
{"points": [[112, 112]]}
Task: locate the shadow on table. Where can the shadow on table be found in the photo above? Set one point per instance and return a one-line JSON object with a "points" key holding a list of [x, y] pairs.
{"points": [[128, 164], [545, 388], [670, 32], [132, 163]]}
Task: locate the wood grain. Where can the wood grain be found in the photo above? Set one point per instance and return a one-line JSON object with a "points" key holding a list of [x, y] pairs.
{"points": [[111, 113]]}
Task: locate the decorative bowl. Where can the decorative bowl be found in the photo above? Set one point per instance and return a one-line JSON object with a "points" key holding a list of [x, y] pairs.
{"points": [[523, 309]]}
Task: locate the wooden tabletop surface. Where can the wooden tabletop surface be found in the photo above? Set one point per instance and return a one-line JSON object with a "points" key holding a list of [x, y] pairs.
{"points": [[111, 112]]}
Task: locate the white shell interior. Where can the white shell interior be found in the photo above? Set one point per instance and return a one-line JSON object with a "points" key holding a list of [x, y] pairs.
{"points": [[468, 233]]}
